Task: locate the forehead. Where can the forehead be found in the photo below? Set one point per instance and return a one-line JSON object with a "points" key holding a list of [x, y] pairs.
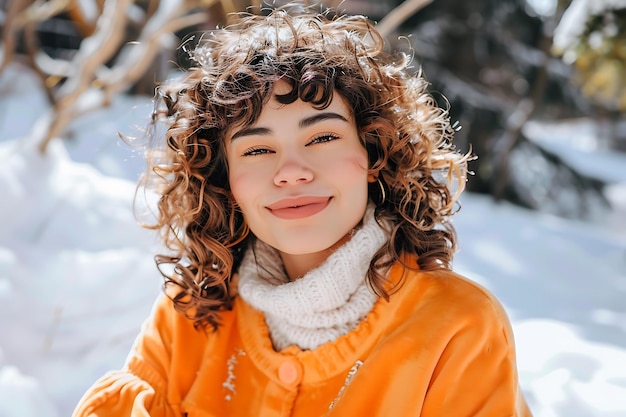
{"points": [[280, 88], [275, 113]]}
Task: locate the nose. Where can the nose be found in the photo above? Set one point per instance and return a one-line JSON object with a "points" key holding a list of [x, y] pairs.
{"points": [[292, 170]]}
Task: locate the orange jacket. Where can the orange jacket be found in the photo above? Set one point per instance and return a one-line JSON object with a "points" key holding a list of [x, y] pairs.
{"points": [[441, 346]]}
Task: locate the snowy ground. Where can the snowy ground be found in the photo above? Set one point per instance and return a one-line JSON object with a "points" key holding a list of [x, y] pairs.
{"points": [[77, 277]]}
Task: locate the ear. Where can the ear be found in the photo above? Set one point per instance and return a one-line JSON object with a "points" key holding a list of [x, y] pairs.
{"points": [[371, 178]]}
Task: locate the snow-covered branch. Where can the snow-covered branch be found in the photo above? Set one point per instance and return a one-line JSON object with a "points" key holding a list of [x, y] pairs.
{"points": [[119, 41], [591, 37], [398, 15]]}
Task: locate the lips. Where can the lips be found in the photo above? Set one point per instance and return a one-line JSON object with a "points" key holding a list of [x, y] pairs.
{"points": [[298, 208]]}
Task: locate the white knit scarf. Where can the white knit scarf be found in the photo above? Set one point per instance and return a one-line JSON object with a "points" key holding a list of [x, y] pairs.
{"points": [[327, 302]]}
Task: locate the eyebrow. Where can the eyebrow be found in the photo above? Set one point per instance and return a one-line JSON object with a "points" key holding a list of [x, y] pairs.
{"points": [[306, 122]]}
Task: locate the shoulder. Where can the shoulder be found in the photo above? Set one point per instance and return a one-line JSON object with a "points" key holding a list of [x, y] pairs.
{"points": [[173, 328], [450, 301], [448, 286]]}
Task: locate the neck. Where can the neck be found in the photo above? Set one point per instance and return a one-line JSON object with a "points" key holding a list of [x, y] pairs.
{"points": [[328, 301]]}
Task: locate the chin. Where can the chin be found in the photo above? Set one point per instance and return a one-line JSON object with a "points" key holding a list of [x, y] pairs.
{"points": [[310, 246]]}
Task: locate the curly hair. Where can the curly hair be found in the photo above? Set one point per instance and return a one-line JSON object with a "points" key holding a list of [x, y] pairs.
{"points": [[408, 139]]}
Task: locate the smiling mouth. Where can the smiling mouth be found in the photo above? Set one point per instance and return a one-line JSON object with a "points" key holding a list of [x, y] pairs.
{"points": [[291, 209]]}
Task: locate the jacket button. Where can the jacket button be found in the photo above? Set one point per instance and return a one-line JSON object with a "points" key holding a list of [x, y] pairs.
{"points": [[288, 373]]}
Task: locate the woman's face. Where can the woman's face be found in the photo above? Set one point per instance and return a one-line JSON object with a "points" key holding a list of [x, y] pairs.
{"points": [[300, 176]]}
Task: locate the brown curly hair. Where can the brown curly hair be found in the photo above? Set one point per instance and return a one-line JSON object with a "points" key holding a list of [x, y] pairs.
{"points": [[408, 138]]}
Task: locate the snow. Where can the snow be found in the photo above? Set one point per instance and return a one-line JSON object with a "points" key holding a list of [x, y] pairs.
{"points": [[77, 276], [574, 21], [543, 7]]}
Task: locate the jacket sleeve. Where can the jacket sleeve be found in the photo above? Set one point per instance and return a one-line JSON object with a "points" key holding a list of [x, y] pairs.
{"points": [[140, 388], [476, 374]]}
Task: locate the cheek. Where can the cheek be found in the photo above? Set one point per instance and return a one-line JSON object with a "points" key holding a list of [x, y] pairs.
{"points": [[361, 161], [355, 165], [239, 187]]}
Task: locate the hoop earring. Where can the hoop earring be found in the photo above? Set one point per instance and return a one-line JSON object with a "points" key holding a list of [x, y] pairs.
{"points": [[383, 196]]}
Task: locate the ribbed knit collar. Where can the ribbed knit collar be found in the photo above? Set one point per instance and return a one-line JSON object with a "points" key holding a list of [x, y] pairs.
{"points": [[326, 303]]}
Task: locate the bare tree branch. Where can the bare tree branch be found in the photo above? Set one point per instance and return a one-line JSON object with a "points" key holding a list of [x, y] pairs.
{"points": [[94, 51], [136, 57], [82, 22], [32, 46], [89, 79], [9, 31], [90, 83], [38, 11], [398, 15], [23, 16]]}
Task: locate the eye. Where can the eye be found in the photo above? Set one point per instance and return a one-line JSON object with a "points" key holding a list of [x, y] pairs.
{"points": [[257, 150], [325, 137]]}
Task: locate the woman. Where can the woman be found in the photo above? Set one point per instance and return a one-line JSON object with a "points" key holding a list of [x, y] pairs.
{"points": [[305, 194]]}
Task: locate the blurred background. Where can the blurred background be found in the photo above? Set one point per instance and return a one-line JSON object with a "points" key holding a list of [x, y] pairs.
{"points": [[536, 88], [510, 70]]}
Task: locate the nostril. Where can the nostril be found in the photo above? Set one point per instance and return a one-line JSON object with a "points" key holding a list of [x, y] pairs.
{"points": [[293, 174]]}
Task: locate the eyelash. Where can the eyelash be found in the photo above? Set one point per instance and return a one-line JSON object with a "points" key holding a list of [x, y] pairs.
{"points": [[255, 151], [327, 136], [323, 138]]}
